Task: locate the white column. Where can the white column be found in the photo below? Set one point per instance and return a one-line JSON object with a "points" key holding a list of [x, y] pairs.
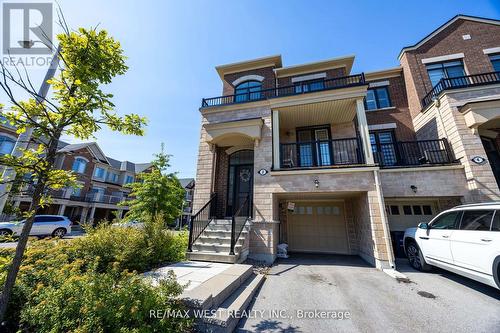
{"points": [[62, 208], [363, 131], [16, 203], [83, 216], [276, 140], [92, 212]]}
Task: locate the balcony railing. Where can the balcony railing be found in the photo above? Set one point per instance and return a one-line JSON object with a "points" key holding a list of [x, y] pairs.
{"points": [[323, 153], [460, 82], [296, 89], [413, 153]]}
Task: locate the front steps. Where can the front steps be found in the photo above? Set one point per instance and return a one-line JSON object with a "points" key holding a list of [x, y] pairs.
{"points": [[214, 244], [223, 297]]}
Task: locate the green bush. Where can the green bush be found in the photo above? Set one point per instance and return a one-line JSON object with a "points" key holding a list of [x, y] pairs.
{"points": [[90, 284]]}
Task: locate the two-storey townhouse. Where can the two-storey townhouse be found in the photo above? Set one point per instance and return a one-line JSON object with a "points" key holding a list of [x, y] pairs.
{"points": [[330, 161], [102, 181], [188, 184]]}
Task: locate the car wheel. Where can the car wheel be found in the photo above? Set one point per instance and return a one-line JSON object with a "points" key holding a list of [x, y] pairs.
{"points": [[416, 258], [59, 232]]}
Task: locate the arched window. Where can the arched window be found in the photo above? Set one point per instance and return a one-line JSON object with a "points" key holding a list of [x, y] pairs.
{"points": [[248, 90], [6, 145], [79, 165]]}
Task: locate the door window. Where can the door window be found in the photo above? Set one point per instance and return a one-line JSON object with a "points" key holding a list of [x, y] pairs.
{"points": [[314, 147], [495, 224], [476, 220], [446, 221], [383, 147]]}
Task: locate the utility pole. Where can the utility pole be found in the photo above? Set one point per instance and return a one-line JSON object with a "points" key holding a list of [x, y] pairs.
{"points": [[24, 138]]}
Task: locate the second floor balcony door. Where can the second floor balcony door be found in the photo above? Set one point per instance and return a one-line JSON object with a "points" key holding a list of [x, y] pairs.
{"points": [[384, 147], [314, 147]]}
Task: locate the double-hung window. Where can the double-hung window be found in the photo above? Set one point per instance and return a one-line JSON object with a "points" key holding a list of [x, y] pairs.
{"points": [[495, 61], [6, 145], [453, 70], [248, 90], [306, 86], [79, 165], [377, 98], [99, 173]]}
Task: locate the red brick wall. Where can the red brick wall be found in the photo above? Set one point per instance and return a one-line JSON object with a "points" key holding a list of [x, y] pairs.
{"points": [[267, 72], [330, 74], [399, 115], [85, 177], [449, 41]]}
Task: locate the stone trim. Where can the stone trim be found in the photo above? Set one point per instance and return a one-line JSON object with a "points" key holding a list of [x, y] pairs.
{"points": [[443, 58], [379, 84], [308, 77], [425, 168], [382, 126], [247, 78], [492, 50], [316, 171]]}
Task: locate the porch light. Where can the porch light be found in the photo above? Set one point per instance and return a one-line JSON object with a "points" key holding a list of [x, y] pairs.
{"points": [[414, 188], [316, 183]]}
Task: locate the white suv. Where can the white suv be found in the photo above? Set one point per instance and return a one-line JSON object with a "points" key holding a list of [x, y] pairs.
{"points": [[464, 240], [54, 225]]}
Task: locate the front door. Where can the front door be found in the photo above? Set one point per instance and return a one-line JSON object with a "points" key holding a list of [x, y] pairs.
{"points": [[243, 189], [493, 157]]}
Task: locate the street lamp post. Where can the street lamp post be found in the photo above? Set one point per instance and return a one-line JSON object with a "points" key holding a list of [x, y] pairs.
{"points": [[24, 138]]}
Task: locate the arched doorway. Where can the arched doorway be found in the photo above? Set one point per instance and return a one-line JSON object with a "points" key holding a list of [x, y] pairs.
{"points": [[240, 182]]}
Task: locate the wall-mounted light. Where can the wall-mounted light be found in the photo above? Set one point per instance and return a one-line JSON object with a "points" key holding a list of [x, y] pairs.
{"points": [[414, 188], [316, 183]]}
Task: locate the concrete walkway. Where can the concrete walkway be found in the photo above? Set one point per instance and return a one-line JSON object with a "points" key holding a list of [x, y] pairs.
{"points": [[438, 301], [189, 273]]}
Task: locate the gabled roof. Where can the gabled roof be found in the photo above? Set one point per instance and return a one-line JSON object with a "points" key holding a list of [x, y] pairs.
{"points": [[444, 26], [91, 146], [140, 167], [186, 182]]}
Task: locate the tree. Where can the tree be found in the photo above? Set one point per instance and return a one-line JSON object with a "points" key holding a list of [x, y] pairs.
{"points": [[156, 192], [88, 58]]}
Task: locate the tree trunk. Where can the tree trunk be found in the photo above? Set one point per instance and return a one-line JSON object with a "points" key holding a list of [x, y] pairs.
{"points": [[23, 238]]}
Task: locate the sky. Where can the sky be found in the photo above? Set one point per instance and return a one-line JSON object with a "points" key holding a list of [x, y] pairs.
{"points": [[173, 46]]}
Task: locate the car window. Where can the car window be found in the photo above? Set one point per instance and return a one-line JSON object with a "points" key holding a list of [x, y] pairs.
{"points": [[495, 224], [476, 220], [42, 219], [446, 221]]}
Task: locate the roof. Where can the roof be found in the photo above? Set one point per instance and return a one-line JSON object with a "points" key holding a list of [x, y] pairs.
{"points": [[444, 26], [383, 74], [270, 61], [344, 61], [96, 151], [185, 182]]}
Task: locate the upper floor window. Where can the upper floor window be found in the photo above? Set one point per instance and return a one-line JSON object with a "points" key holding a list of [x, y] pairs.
{"points": [[79, 165], [113, 177], [377, 98], [445, 70], [495, 61], [248, 90], [129, 179], [6, 145], [312, 85], [99, 173]]}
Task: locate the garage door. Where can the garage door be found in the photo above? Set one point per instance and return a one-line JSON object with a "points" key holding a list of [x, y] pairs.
{"points": [[407, 214], [317, 227]]}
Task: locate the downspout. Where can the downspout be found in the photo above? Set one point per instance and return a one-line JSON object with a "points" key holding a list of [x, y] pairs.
{"points": [[385, 226]]}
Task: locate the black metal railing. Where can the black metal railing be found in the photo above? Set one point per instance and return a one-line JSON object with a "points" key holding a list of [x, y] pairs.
{"points": [[239, 220], [296, 89], [201, 220], [460, 82], [413, 153], [321, 153]]}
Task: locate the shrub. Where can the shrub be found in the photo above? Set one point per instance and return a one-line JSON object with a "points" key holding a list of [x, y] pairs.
{"points": [[89, 284]]}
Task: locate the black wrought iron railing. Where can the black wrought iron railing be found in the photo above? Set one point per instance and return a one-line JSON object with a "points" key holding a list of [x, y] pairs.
{"points": [[460, 82], [201, 220], [413, 153], [239, 221], [296, 89], [321, 153]]}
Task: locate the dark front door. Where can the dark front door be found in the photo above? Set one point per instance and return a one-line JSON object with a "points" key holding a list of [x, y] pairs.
{"points": [[493, 156], [243, 188]]}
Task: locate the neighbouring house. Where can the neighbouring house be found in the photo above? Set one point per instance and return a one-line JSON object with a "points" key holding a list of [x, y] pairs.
{"points": [[331, 161], [188, 185], [101, 177]]}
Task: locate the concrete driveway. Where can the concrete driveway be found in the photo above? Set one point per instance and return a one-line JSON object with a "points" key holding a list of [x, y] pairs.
{"points": [[432, 302]]}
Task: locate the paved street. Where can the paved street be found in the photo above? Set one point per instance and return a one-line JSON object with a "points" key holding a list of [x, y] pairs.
{"points": [[12, 245], [432, 302]]}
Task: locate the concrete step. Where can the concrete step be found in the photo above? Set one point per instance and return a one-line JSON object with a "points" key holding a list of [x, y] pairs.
{"points": [[222, 221], [226, 318], [224, 240], [223, 227], [212, 257], [211, 293], [221, 233], [215, 247]]}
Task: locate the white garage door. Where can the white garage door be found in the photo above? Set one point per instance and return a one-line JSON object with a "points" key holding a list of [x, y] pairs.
{"points": [[317, 227], [407, 214]]}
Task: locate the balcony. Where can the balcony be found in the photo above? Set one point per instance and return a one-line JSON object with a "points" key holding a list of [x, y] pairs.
{"points": [[291, 90], [348, 153], [322, 153], [460, 82], [413, 153]]}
